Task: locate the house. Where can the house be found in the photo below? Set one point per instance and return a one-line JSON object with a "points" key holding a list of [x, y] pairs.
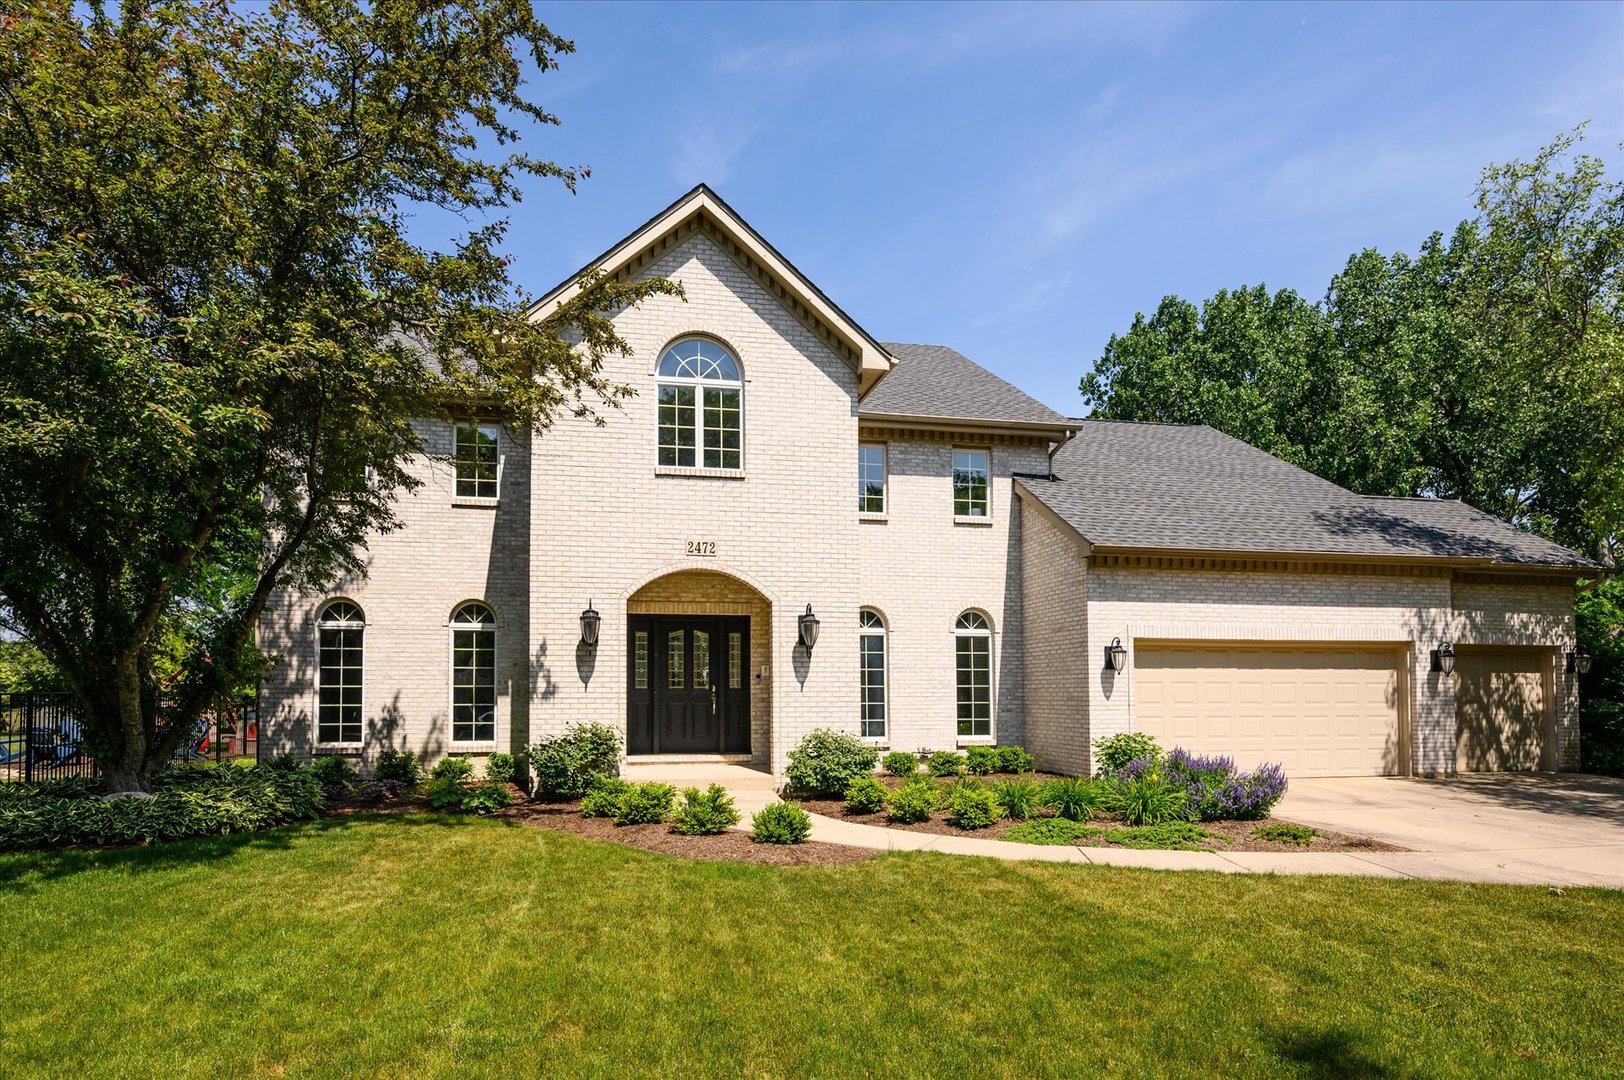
{"points": [[795, 525]]}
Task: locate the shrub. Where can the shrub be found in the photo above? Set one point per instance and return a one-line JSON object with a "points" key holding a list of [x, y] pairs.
{"points": [[781, 823], [973, 806], [1014, 759], [444, 793], [564, 765], [1051, 831], [827, 761], [602, 799], [705, 813], [1251, 796], [281, 763], [454, 768], [331, 771], [913, 802], [980, 760], [1018, 797], [1148, 800], [945, 763], [486, 797], [1166, 836], [400, 765], [646, 804], [1283, 832], [1074, 798], [901, 763], [866, 795], [1202, 778], [1113, 752], [501, 768]]}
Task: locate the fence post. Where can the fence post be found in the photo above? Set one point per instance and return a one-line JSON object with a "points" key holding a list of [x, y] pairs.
{"points": [[28, 738]]}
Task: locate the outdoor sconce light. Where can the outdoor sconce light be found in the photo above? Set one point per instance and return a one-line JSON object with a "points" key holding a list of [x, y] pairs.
{"points": [[589, 625], [1579, 662], [1116, 657], [809, 628], [1443, 658]]}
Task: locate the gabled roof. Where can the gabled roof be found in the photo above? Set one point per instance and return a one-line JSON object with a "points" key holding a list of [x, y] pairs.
{"points": [[934, 382], [1160, 487], [702, 211]]}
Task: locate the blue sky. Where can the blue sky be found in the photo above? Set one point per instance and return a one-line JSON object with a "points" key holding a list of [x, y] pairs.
{"points": [[1018, 181]]}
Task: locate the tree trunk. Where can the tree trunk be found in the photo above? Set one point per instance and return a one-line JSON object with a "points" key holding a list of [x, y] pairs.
{"points": [[126, 768]]}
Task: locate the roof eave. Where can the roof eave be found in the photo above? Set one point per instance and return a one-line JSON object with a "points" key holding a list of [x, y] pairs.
{"points": [[1464, 562], [1056, 432]]}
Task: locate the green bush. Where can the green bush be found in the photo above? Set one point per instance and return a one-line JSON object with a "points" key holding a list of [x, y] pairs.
{"points": [[1148, 800], [443, 793], [1051, 831], [226, 800], [705, 813], [866, 795], [1167, 836], [973, 806], [281, 763], [1283, 832], [564, 765], [332, 771], [1075, 798], [486, 797], [453, 768], [901, 763], [501, 768], [602, 799], [826, 761], [781, 823], [63, 787], [1014, 759], [946, 763], [1019, 797], [399, 765], [981, 760], [1113, 752], [913, 802], [646, 804]]}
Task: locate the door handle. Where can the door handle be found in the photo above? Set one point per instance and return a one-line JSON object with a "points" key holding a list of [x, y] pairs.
{"points": [[713, 699]]}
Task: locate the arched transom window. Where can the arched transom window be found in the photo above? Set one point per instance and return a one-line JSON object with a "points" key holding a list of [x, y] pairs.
{"points": [[871, 668], [339, 629], [701, 406], [972, 640], [473, 674]]}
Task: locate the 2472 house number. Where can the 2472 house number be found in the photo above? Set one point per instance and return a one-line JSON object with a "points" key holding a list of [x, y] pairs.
{"points": [[702, 548]]}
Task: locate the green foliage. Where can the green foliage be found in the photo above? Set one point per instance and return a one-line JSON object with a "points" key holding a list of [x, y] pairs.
{"points": [[645, 804], [914, 801], [333, 770], [945, 763], [443, 793], [972, 805], [1113, 752], [1014, 759], [1284, 832], [486, 797], [24, 667], [453, 768], [826, 761], [1055, 830], [781, 823], [199, 803], [980, 760], [61, 787], [1600, 615], [565, 765], [502, 768], [398, 765], [281, 763], [1147, 800], [603, 797], [1074, 798], [1164, 836], [1020, 797], [705, 813], [901, 763], [866, 795]]}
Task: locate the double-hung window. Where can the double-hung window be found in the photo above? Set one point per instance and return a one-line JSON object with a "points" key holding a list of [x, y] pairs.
{"points": [[970, 472], [972, 640], [474, 456], [871, 478], [871, 673], [701, 407]]}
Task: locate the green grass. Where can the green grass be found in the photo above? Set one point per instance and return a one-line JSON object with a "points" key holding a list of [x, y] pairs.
{"points": [[417, 945], [1055, 830], [1284, 832]]}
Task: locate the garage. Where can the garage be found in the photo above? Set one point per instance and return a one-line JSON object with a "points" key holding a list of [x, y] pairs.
{"points": [[1502, 701], [1317, 710]]}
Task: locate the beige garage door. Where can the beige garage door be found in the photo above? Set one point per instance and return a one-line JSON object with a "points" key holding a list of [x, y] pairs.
{"points": [[1329, 711], [1500, 709]]}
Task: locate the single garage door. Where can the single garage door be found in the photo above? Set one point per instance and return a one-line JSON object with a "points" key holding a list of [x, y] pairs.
{"points": [[1318, 711], [1501, 698]]}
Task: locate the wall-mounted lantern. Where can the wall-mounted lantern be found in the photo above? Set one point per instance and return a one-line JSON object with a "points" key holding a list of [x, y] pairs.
{"points": [[809, 628], [1579, 662], [590, 620], [1443, 658], [1116, 657]]}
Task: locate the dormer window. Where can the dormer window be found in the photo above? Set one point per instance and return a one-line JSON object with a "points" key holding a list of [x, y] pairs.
{"points": [[701, 396]]}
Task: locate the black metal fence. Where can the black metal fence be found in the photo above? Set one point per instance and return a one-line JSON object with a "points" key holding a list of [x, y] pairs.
{"points": [[42, 736]]}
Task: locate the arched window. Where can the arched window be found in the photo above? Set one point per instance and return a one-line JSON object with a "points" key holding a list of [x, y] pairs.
{"points": [[871, 669], [972, 640], [339, 629], [701, 406], [473, 674]]}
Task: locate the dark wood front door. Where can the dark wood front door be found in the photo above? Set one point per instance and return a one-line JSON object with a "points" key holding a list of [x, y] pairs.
{"points": [[688, 680]]}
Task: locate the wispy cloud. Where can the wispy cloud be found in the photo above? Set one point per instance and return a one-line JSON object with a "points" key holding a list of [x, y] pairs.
{"points": [[707, 146]]}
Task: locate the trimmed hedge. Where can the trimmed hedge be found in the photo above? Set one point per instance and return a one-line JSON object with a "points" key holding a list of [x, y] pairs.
{"points": [[826, 762]]}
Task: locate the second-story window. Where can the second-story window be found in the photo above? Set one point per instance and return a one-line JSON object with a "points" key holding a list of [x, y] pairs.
{"points": [[701, 396], [970, 471], [475, 457], [871, 478]]}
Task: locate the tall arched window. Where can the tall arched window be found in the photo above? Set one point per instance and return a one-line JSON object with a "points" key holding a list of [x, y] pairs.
{"points": [[473, 674], [339, 629], [701, 406], [972, 639], [871, 669]]}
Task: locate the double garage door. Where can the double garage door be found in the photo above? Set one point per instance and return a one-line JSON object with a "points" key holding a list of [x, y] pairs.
{"points": [[1333, 710]]}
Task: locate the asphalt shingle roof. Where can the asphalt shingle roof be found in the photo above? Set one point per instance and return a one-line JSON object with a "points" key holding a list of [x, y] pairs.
{"points": [[936, 381], [1195, 488]]}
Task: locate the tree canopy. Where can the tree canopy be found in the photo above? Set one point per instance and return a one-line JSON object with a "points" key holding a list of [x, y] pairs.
{"points": [[216, 327]]}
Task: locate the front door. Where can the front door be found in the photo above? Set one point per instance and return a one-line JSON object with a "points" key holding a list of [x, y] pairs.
{"points": [[688, 685]]}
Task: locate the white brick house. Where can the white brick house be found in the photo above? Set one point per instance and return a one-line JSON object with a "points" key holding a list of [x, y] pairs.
{"points": [[968, 553]]}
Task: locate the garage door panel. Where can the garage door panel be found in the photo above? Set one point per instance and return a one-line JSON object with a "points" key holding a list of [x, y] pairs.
{"points": [[1317, 711]]}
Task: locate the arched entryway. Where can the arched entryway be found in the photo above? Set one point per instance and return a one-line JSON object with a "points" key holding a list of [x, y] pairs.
{"points": [[698, 656]]}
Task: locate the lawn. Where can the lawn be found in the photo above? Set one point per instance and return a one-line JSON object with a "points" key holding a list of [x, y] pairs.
{"points": [[419, 945]]}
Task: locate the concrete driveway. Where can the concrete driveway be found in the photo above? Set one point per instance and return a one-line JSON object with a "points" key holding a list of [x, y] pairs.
{"points": [[1532, 828]]}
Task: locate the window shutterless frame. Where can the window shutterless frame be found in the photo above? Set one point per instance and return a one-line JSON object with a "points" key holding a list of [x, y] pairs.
{"points": [[472, 670], [873, 684], [699, 395], [972, 484], [476, 460], [340, 675], [972, 675], [872, 477]]}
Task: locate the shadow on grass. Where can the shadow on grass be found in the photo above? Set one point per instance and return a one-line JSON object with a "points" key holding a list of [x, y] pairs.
{"points": [[1329, 1053]]}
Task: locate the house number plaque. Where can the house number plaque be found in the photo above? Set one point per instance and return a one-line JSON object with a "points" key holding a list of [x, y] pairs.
{"points": [[705, 549]]}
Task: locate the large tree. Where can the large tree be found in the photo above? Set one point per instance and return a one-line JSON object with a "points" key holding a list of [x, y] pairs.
{"points": [[216, 326]]}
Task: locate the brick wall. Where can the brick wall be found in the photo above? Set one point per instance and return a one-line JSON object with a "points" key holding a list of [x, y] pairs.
{"points": [[1055, 600]]}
